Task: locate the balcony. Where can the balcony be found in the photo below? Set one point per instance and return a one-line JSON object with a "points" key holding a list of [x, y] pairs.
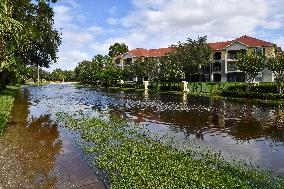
{"points": [[217, 56], [232, 67], [127, 61], [216, 69], [232, 55]]}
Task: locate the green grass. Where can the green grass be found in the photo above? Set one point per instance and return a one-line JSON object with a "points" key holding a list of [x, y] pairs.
{"points": [[40, 84], [136, 158], [6, 103]]}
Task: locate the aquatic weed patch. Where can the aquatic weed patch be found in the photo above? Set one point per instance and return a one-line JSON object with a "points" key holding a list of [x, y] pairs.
{"points": [[132, 159], [6, 103]]}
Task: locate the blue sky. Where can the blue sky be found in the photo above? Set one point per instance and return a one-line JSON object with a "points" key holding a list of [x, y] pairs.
{"points": [[89, 27]]}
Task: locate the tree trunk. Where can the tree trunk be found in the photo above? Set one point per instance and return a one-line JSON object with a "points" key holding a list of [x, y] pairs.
{"points": [[3, 80]]}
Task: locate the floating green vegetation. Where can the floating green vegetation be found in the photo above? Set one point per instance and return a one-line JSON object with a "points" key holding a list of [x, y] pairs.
{"points": [[6, 103], [133, 158]]}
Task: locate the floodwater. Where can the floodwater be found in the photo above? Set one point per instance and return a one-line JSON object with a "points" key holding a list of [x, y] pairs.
{"points": [[37, 153]]}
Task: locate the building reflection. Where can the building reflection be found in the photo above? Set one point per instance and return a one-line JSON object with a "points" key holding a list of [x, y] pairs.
{"points": [[204, 115]]}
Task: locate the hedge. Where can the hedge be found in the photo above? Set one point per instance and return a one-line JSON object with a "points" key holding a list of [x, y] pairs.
{"points": [[254, 89], [252, 95]]}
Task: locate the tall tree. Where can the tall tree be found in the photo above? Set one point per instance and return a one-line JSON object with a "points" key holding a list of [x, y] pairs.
{"points": [[192, 55], [276, 65], [27, 36], [117, 49], [144, 68], [251, 63], [171, 70]]}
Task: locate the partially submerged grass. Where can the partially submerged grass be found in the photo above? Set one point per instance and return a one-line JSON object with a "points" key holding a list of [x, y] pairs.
{"points": [[6, 103], [133, 158]]}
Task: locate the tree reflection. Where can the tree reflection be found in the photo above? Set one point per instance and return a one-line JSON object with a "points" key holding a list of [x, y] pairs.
{"points": [[32, 148]]}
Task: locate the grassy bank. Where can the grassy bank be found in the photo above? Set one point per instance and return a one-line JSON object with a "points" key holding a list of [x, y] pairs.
{"points": [[6, 103], [132, 157]]}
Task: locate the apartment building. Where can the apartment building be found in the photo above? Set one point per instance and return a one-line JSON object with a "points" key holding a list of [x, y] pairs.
{"points": [[124, 60], [223, 66]]}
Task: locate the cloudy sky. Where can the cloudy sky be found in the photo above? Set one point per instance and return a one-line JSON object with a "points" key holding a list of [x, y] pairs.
{"points": [[89, 27]]}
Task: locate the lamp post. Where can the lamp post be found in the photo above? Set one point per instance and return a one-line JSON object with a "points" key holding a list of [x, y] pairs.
{"points": [[38, 75]]}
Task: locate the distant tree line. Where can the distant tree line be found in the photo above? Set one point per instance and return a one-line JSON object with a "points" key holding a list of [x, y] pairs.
{"points": [[27, 38], [57, 75], [99, 70]]}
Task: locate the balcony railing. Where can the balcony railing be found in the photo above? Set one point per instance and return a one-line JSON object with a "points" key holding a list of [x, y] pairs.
{"points": [[232, 67], [217, 57], [216, 69], [232, 56]]}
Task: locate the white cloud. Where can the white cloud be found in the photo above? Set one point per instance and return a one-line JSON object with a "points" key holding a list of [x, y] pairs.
{"points": [[168, 21], [62, 14], [280, 42], [160, 23], [77, 37], [68, 60], [95, 29]]}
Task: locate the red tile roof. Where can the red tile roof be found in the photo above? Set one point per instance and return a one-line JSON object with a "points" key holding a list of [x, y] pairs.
{"points": [[150, 53], [246, 40], [219, 45]]}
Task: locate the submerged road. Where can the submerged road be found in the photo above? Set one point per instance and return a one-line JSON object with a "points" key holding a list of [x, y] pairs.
{"points": [[36, 152]]}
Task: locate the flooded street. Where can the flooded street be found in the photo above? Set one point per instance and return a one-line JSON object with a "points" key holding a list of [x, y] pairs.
{"points": [[37, 153]]}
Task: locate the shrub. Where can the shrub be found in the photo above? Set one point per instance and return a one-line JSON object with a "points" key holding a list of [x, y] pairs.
{"points": [[132, 85], [170, 88], [252, 95], [254, 89]]}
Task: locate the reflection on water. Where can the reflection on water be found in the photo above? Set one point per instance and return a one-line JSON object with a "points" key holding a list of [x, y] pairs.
{"points": [[252, 132], [37, 153], [28, 149]]}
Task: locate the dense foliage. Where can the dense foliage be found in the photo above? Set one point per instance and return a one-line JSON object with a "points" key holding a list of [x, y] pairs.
{"points": [[100, 70], [61, 75], [117, 49], [146, 68], [276, 65], [251, 63], [6, 103], [188, 61], [27, 37], [264, 92], [135, 158], [56, 75]]}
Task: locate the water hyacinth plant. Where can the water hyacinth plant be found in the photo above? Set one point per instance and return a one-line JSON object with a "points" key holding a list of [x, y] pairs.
{"points": [[133, 159]]}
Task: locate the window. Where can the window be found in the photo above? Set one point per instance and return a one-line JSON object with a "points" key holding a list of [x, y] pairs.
{"points": [[259, 50], [217, 56]]}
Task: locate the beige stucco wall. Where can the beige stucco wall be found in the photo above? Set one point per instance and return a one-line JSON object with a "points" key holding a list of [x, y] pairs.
{"points": [[269, 51], [223, 54]]}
